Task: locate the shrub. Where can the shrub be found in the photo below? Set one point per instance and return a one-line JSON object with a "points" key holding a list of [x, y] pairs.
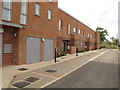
{"points": [[113, 47], [81, 51]]}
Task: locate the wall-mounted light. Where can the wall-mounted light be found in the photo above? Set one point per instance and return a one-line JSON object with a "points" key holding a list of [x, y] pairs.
{"points": [[15, 34], [43, 39], [1, 30]]}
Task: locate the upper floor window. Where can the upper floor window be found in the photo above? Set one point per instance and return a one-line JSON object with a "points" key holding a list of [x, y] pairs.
{"points": [[60, 25], [49, 14], [88, 35], [74, 30], [37, 9], [79, 31], [23, 17], [69, 27], [50, 0], [7, 10], [91, 36]]}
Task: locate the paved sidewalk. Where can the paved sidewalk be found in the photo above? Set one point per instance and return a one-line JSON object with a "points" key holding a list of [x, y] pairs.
{"points": [[9, 72]]}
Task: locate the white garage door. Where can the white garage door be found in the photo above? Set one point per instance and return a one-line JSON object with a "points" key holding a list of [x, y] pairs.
{"points": [[48, 49], [0, 50], [33, 50]]}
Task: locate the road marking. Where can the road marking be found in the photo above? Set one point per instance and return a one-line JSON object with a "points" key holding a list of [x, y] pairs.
{"points": [[98, 55], [44, 75], [57, 76], [73, 70]]}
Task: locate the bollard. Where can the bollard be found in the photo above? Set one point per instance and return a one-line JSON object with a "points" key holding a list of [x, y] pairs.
{"points": [[76, 51], [55, 55]]}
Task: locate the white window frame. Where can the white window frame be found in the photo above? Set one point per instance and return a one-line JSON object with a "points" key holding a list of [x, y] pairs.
{"points": [[49, 14], [24, 14], [50, 0], [74, 30], [88, 35], [79, 31], [9, 9], [91, 36], [60, 25], [37, 9], [69, 28]]}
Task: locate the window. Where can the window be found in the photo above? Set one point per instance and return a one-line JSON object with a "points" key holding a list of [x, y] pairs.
{"points": [[37, 9], [69, 27], [79, 31], [49, 15], [7, 10], [60, 25], [23, 17], [50, 0], [88, 35], [91, 36], [7, 48], [74, 30]]}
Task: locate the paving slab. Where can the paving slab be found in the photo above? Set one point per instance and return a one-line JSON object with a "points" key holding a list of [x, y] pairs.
{"points": [[65, 67], [22, 78], [57, 70], [8, 73]]}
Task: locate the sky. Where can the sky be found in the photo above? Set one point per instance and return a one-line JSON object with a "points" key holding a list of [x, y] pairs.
{"points": [[94, 13]]}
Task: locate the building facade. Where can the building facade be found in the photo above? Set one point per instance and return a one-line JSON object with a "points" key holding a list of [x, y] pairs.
{"points": [[30, 32]]}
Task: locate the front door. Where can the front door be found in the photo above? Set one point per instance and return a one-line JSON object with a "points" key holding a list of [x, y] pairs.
{"points": [[64, 46], [0, 50]]}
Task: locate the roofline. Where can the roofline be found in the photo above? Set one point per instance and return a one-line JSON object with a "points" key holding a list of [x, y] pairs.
{"points": [[74, 17]]}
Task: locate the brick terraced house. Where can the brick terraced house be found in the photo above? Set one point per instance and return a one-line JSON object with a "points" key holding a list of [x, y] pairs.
{"points": [[32, 30]]}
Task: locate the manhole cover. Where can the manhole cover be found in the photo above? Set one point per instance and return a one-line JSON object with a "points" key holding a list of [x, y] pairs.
{"points": [[51, 71], [20, 84], [62, 58], [31, 79], [22, 69]]}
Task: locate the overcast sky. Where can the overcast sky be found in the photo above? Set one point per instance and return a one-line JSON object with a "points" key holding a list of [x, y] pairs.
{"points": [[93, 13]]}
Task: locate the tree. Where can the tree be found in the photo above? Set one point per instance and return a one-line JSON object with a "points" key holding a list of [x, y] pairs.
{"points": [[114, 41], [103, 34], [107, 42]]}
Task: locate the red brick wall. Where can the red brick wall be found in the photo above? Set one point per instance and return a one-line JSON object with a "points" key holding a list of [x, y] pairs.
{"points": [[41, 27], [8, 38], [37, 26], [97, 39], [67, 19]]}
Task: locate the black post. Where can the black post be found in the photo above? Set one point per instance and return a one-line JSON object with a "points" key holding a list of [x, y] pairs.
{"points": [[55, 55], [76, 51]]}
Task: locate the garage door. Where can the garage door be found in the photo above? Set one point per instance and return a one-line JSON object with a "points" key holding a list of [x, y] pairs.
{"points": [[33, 50], [0, 50], [48, 49]]}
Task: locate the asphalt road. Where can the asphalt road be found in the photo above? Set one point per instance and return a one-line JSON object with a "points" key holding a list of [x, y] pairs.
{"points": [[99, 73]]}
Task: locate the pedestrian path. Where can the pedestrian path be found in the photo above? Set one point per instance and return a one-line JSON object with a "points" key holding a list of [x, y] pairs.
{"points": [[10, 72]]}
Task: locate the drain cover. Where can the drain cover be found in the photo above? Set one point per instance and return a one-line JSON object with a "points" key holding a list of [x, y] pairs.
{"points": [[31, 79], [21, 84], [51, 71], [62, 58], [22, 69]]}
